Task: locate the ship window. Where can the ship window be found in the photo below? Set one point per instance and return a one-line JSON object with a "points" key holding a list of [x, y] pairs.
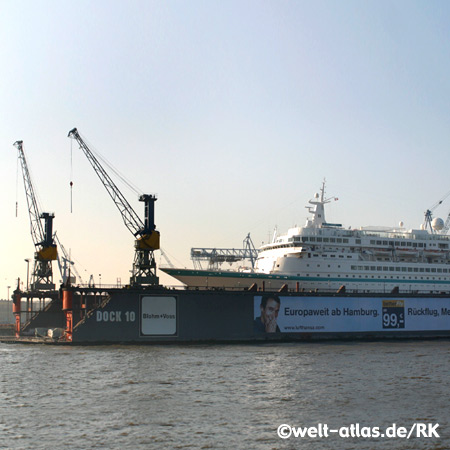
{"points": [[372, 242], [372, 268], [403, 244], [403, 269], [339, 240], [379, 268], [385, 242], [325, 239], [312, 239], [416, 269], [345, 241], [349, 256], [353, 267], [410, 269], [378, 242], [358, 241], [439, 270], [414, 244], [420, 244], [332, 240], [397, 269], [391, 269], [319, 239], [427, 270], [385, 269], [333, 256], [433, 270], [445, 270], [341, 256]]}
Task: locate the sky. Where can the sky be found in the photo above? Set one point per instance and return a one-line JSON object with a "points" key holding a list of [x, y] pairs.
{"points": [[232, 113]]}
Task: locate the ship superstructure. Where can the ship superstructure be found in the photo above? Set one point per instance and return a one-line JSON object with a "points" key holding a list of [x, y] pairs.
{"points": [[325, 256]]}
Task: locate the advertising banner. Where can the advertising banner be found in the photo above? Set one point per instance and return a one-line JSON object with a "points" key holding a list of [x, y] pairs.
{"points": [[283, 314], [158, 316]]}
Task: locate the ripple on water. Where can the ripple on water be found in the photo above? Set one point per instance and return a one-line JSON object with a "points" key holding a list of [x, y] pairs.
{"points": [[218, 396]]}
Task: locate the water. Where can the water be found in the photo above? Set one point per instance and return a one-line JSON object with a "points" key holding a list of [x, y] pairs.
{"points": [[220, 397]]}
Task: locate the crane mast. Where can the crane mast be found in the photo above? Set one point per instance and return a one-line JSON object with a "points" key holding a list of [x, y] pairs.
{"points": [[42, 234], [147, 237]]}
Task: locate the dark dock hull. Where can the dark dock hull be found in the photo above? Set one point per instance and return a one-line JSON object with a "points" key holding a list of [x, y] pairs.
{"points": [[166, 316], [159, 315]]}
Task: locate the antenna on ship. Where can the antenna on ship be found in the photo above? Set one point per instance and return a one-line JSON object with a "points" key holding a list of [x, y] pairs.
{"points": [[318, 208]]}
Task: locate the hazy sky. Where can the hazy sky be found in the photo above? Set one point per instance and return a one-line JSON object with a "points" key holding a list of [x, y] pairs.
{"points": [[233, 112]]}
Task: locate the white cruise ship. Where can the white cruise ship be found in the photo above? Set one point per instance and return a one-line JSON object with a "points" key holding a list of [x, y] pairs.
{"points": [[326, 257]]}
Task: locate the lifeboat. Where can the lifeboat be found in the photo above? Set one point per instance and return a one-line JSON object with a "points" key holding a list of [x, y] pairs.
{"points": [[434, 253], [382, 251], [407, 252]]}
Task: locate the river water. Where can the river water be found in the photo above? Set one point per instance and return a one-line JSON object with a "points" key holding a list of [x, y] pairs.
{"points": [[222, 397]]}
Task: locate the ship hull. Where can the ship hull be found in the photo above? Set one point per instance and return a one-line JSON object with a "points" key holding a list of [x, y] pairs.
{"points": [[312, 282]]}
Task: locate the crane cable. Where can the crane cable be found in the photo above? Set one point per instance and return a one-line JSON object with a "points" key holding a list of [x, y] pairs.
{"points": [[71, 176], [118, 174], [17, 186]]}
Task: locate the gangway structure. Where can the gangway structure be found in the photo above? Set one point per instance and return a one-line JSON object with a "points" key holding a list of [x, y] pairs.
{"points": [[217, 256]]}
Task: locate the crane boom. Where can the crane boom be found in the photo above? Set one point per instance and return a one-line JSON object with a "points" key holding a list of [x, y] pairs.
{"points": [[147, 238], [131, 220], [42, 235], [37, 230]]}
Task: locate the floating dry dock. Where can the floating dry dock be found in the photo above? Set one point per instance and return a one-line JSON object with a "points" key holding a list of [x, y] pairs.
{"points": [[78, 315]]}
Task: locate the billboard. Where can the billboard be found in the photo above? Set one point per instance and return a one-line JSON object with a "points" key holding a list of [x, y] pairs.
{"points": [[284, 314], [158, 316]]}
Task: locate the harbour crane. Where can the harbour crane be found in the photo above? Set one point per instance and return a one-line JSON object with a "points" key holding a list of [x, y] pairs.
{"points": [[441, 227], [66, 265], [42, 234], [145, 233]]}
